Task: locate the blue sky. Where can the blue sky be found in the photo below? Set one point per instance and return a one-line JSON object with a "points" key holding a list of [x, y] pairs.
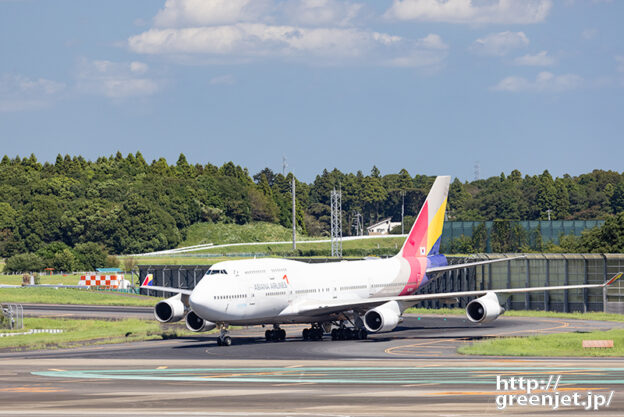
{"points": [[428, 85]]}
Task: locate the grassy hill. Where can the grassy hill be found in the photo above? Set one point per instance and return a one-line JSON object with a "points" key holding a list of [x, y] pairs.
{"points": [[220, 233]]}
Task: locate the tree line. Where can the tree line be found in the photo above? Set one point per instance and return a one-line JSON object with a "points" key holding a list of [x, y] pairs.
{"points": [[124, 204]]}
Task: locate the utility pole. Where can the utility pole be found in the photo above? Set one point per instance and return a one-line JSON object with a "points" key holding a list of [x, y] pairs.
{"points": [[402, 212], [359, 224], [294, 216], [336, 223]]}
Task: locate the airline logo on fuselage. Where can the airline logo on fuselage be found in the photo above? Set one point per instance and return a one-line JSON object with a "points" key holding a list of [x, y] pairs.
{"points": [[270, 286]]}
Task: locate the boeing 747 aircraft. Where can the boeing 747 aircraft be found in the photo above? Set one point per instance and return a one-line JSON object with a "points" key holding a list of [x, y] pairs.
{"points": [[346, 299]]}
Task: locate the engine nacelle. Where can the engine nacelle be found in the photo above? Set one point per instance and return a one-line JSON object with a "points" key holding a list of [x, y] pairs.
{"points": [[169, 310], [484, 309], [383, 318], [196, 324]]}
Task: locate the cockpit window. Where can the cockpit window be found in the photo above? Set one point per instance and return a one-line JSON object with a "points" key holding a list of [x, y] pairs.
{"points": [[216, 271]]}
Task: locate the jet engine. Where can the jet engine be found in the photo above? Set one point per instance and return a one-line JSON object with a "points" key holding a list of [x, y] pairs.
{"points": [[484, 309], [196, 324], [383, 318], [169, 310]]}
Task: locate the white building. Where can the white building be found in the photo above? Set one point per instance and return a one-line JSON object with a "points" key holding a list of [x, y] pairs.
{"points": [[383, 227]]}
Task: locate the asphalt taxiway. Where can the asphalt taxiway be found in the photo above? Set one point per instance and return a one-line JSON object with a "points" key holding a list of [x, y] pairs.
{"points": [[418, 337], [411, 371]]}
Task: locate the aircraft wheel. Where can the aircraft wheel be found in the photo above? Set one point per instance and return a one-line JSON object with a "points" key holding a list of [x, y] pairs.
{"points": [[362, 334], [227, 341], [334, 334], [281, 335], [319, 334], [219, 343], [305, 334], [267, 335]]}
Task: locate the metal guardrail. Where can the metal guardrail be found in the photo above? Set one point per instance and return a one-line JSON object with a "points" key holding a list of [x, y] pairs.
{"points": [[14, 315]]}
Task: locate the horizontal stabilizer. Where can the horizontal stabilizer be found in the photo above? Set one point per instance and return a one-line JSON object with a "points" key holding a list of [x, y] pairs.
{"points": [[469, 264]]}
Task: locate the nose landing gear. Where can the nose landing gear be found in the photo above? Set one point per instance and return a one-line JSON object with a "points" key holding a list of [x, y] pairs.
{"points": [[224, 339]]}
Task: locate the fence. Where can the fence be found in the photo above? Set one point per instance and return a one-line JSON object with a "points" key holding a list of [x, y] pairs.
{"points": [[536, 270], [548, 230], [13, 314]]}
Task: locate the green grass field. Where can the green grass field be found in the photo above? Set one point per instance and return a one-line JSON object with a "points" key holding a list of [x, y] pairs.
{"points": [[88, 332], [70, 279], [363, 247], [562, 344], [220, 233], [72, 296]]}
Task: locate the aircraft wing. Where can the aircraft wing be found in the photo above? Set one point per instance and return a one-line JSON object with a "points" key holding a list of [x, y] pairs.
{"points": [[327, 307], [466, 265], [167, 289]]}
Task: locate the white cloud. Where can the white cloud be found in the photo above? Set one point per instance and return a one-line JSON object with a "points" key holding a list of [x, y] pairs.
{"points": [[499, 44], [317, 32], [541, 59], [115, 79], [315, 45], [544, 82], [138, 67], [227, 79], [18, 92], [321, 12], [471, 11], [180, 13]]}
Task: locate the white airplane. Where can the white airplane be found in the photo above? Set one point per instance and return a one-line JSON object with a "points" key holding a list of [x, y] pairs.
{"points": [[347, 299]]}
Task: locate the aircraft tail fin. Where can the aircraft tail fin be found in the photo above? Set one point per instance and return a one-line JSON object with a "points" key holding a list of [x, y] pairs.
{"points": [[424, 238]]}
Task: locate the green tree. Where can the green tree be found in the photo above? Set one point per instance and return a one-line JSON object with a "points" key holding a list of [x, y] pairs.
{"points": [[617, 199], [24, 262], [64, 261], [90, 256]]}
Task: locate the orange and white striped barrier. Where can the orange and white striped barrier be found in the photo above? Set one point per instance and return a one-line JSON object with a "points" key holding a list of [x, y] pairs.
{"points": [[106, 281]]}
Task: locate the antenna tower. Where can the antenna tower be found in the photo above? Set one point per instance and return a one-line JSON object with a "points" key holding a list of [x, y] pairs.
{"points": [[336, 223]]}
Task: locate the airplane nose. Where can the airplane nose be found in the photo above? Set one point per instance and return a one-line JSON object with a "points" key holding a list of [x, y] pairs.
{"points": [[194, 300], [199, 300]]}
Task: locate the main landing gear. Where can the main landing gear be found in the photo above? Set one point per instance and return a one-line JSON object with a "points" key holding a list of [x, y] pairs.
{"points": [[313, 333], [357, 332], [346, 333], [275, 335], [224, 339]]}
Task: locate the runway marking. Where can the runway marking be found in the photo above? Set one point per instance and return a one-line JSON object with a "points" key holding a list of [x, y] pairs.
{"points": [[396, 350], [162, 367], [293, 383], [348, 375], [32, 389], [518, 392], [58, 370]]}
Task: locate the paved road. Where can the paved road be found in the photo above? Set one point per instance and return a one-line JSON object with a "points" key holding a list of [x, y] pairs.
{"points": [[173, 387], [87, 311], [413, 371], [418, 337]]}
